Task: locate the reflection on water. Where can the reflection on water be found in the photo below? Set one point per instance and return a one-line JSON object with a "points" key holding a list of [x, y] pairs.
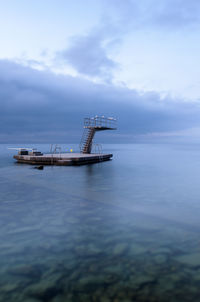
{"points": [[124, 230]]}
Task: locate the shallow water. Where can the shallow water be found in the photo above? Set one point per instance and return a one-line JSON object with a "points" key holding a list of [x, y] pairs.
{"points": [[123, 230]]}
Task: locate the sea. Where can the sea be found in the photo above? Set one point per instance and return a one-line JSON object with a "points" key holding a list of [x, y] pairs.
{"points": [[125, 230]]}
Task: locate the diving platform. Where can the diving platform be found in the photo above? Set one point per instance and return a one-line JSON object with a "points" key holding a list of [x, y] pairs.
{"points": [[86, 146], [91, 126]]}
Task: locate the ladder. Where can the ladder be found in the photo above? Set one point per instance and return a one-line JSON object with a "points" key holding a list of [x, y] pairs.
{"points": [[86, 141]]}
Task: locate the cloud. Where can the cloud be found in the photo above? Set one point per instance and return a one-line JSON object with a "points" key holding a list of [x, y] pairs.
{"points": [[88, 54], [175, 14], [41, 106], [91, 54], [168, 14]]}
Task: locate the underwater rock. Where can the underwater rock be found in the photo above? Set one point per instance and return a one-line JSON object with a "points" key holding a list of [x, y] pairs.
{"points": [[136, 249], [166, 284], [46, 288], [94, 250], [80, 250], [32, 300], [114, 269], [9, 287], [160, 259], [120, 248], [87, 250], [190, 259], [93, 268], [84, 298], [197, 276], [139, 280], [161, 250], [74, 275], [88, 283], [63, 298], [29, 271], [43, 291], [110, 278], [104, 299], [122, 295]]}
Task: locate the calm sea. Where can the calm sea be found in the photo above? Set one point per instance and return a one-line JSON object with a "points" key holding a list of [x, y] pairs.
{"points": [[124, 230]]}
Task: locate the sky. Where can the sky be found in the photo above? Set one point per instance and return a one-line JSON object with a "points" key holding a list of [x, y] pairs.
{"points": [[63, 60]]}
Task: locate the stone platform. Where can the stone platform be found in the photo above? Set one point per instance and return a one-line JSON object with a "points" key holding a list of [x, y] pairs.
{"points": [[62, 159]]}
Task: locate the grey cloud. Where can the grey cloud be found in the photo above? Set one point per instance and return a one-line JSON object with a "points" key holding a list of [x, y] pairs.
{"points": [[88, 54], [170, 14], [176, 13], [40, 106]]}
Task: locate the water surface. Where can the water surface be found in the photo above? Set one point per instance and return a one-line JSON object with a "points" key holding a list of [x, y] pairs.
{"points": [[123, 230]]}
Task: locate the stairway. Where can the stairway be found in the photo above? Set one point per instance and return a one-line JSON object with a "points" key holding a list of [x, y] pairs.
{"points": [[86, 141]]}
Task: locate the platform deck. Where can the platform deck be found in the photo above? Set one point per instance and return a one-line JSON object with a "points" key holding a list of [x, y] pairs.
{"points": [[62, 159]]}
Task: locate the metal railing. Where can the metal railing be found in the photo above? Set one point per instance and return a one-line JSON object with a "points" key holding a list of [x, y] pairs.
{"points": [[100, 122], [97, 148], [53, 150]]}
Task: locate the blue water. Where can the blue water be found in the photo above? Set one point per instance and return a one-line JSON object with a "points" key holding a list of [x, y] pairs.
{"points": [[123, 230]]}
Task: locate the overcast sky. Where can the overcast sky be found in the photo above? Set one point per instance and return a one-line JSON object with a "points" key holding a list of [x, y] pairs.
{"points": [[63, 60]]}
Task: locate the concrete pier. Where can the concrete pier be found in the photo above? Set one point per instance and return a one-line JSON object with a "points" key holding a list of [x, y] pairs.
{"points": [[62, 159]]}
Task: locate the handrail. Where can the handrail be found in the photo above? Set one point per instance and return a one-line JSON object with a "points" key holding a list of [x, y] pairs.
{"points": [[100, 121], [53, 151]]}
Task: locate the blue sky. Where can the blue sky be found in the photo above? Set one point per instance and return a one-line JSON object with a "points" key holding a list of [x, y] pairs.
{"points": [[63, 60]]}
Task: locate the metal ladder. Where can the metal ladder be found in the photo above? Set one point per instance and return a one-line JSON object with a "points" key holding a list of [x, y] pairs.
{"points": [[86, 140]]}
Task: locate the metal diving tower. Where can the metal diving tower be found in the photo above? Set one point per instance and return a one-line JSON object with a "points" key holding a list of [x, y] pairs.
{"points": [[91, 126]]}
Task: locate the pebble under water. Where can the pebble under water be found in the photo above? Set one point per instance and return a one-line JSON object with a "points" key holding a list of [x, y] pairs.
{"points": [[124, 230]]}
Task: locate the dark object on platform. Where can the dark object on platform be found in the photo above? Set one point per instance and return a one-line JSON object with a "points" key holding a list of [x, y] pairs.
{"points": [[23, 152], [35, 153]]}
